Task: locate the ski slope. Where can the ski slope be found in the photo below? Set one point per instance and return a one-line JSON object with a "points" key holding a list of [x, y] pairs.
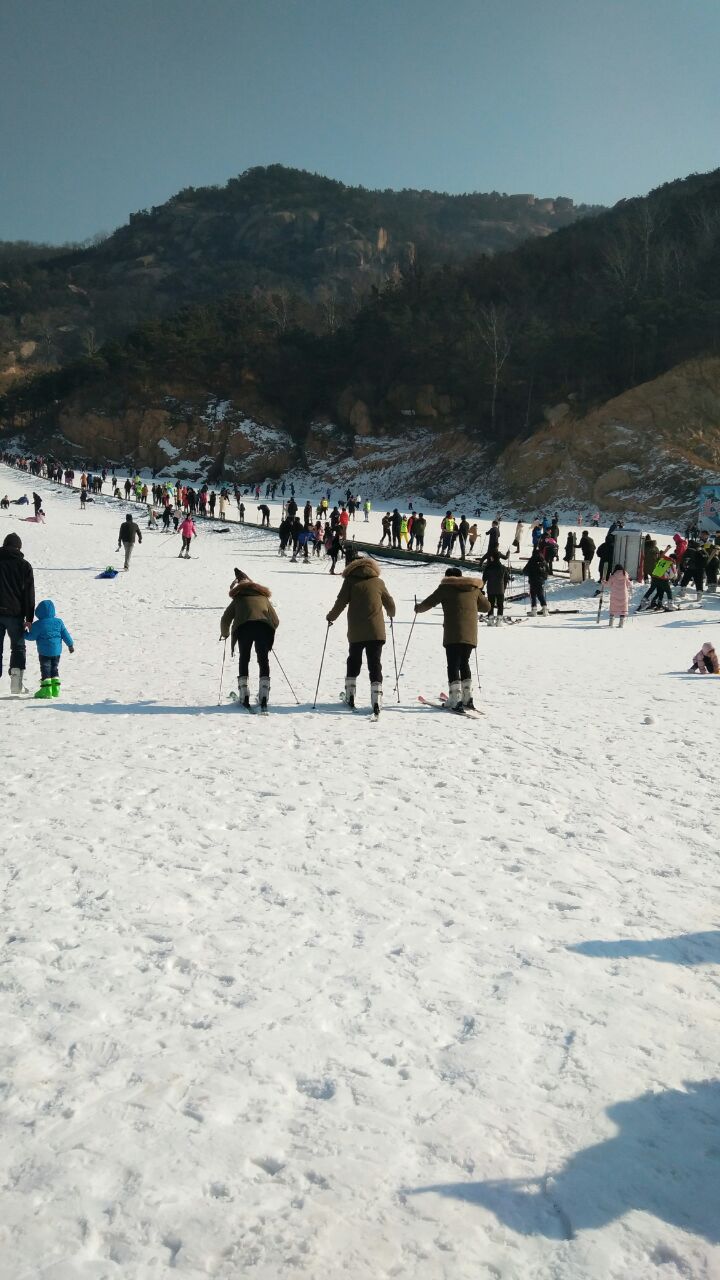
{"points": [[308, 996]]}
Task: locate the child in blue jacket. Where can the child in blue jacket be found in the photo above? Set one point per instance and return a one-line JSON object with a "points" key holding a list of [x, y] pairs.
{"points": [[48, 633]]}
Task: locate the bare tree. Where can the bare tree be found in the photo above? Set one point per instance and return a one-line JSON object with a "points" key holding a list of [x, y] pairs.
{"points": [[493, 329]]}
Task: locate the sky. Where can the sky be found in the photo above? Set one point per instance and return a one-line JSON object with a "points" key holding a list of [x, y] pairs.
{"points": [[109, 106]]}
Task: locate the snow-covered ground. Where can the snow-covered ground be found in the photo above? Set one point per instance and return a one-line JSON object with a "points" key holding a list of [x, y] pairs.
{"points": [[306, 996]]}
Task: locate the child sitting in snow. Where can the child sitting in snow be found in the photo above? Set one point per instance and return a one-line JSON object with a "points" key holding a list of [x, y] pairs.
{"points": [[620, 588], [706, 661], [48, 632]]}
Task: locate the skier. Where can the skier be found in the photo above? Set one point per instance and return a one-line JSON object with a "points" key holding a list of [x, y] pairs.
{"points": [[518, 535], [386, 524], [536, 571], [694, 564], [651, 555], [365, 595], [620, 591], [129, 531], [447, 528], [705, 661], [17, 606], [367, 508], [570, 547], [187, 532], [660, 578], [252, 620], [419, 527], [472, 537], [461, 599], [496, 580], [264, 510], [49, 632]]}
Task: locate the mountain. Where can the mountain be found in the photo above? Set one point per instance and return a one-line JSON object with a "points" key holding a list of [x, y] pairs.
{"points": [[291, 236], [582, 364]]}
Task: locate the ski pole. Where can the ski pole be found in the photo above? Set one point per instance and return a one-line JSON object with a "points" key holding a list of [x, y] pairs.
{"points": [[222, 669], [602, 588], [286, 679], [327, 633], [397, 678], [407, 646]]}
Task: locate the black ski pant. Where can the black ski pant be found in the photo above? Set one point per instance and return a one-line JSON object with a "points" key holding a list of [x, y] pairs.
{"points": [[461, 540], [15, 628], [458, 661], [260, 634], [659, 589], [537, 595], [373, 652], [698, 578], [386, 534], [497, 603]]}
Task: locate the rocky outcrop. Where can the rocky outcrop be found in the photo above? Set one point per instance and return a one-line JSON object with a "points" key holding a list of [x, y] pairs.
{"points": [[647, 450]]}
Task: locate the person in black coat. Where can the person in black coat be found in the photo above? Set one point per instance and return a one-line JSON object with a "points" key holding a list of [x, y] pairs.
{"points": [[536, 571], [496, 578], [587, 549], [17, 605]]}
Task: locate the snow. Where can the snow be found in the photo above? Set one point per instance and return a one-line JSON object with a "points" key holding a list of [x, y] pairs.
{"points": [[307, 996]]}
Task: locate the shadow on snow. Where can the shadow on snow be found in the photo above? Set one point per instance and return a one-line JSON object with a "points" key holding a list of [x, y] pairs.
{"points": [[665, 1161]]}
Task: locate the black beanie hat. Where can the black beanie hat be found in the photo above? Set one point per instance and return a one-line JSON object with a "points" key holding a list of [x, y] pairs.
{"points": [[13, 540]]}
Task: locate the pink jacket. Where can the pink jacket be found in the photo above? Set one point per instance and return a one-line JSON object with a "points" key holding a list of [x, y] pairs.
{"points": [[187, 528], [620, 587]]}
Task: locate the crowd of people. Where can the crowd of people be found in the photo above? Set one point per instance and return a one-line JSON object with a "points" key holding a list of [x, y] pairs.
{"points": [[251, 621]]}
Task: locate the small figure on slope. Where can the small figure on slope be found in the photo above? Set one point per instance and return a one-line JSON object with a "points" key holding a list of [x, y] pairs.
{"points": [[364, 595], [251, 620], [461, 599], [48, 633], [705, 663], [620, 591], [129, 531], [188, 532]]}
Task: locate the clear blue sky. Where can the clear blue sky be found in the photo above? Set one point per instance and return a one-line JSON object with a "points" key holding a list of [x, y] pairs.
{"points": [[107, 106]]}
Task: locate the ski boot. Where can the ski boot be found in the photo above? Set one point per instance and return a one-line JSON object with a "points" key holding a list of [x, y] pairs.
{"points": [[55, 682], [350, 687], [243, 691], [376, 697], [544, 611], [264, 692], [533, 612], [45, 690], [611, 621], [455, 697], [467, 695], [16, 681]]}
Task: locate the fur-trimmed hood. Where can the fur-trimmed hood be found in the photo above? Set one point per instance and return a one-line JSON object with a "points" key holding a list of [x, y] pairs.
{"points": [[463, 584], [248, 588], [361, 569]]}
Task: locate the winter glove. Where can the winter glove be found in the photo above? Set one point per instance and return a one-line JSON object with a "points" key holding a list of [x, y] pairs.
{"points": [[328, 619], [71, 648]]}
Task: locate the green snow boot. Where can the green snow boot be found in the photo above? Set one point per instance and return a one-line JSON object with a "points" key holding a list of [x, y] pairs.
{"points": [[55, 682], [45, 690]]}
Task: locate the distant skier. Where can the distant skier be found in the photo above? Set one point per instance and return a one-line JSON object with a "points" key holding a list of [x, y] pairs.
{"points": [[264, 510], [496, 577], [129, 532], [587, 550], [187, 531], [364, 595], [536, 572], [461, 600], [515, 544], [49, 632], [251, 620]]}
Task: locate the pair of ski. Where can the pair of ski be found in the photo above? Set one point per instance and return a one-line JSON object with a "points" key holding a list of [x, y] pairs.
{"points": [[374, 715], [233, 697], [443, 704]]}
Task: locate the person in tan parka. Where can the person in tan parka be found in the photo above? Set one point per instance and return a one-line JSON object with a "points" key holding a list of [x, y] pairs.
{"points": [[462, 599], [251, 620], [365, 596]]}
